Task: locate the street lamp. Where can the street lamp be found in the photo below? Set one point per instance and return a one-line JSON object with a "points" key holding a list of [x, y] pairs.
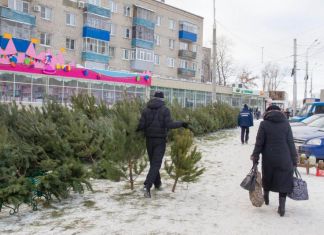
{"points": [[314, 43]]}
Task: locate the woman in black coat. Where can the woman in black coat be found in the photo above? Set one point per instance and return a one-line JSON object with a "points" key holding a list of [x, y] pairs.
{"points": [[279, 156]]}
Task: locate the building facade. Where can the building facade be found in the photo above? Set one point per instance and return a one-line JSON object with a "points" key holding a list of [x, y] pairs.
{"points": [[126, 35]]}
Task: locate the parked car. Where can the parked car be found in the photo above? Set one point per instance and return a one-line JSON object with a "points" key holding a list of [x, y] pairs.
{"points": [[309, 109], [309, 139], [307, 121]]}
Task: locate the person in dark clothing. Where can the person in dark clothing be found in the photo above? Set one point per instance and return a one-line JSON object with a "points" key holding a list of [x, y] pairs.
{"points": [[287, 113], [279, 157], [245, 121], [155, 123]]}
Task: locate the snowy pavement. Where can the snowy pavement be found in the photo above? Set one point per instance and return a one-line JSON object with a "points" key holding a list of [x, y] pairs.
{"points": [[214, 205]]}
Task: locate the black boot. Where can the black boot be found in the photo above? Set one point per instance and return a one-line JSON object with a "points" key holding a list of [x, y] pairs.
{"points": [[266, 197], [147, 192], [282, 205]]}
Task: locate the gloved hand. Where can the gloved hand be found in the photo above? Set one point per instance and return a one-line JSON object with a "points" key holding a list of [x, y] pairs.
{"points": [[255, 159], [185, 125]]}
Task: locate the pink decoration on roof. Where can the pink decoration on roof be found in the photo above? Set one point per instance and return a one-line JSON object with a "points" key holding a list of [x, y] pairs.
{"points": [[21, 58], [31, 51], [10, 49], [60, 58], [1, 51]]}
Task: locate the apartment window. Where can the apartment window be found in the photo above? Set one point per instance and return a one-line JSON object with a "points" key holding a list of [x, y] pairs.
{"points": [[171, 43], [194, 66], [70, 19], [126, 54], [172, 24], [127, 33], [113, 29], [194, 48], [157, 40], [112, 51], [127, 11], [70, 43], [156, 59], [171, 62], [45, 39], [46, 13], [95, 2], [184, 46], [158, 20], [113, 6], [184, 64], [19, 5], [143, 33], [96, 46]]}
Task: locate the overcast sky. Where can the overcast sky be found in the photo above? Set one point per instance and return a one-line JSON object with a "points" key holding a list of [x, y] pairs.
{"points": [[272, 24]]}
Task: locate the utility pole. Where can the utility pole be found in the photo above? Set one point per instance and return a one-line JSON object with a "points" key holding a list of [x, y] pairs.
{"points": [[306, 75], [295, 78], [311, 85], [214, 56]]}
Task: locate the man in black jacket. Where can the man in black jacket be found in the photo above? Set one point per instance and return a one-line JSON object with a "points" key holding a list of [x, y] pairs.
{"points": [[155, 122]]}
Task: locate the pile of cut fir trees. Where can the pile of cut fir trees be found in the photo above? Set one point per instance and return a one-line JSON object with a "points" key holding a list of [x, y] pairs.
{"points": [[50, 151]]}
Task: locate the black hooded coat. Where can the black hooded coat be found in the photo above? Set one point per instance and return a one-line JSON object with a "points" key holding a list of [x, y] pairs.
{"points": [[275, 142]]}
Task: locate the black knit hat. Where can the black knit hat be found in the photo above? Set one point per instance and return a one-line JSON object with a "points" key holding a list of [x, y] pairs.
{"points": [[246, 106], [273, 107], [159, 94]]}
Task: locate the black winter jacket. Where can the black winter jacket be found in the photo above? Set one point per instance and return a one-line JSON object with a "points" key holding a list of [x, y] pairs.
{"points": [[157, 126], [275, 142]]}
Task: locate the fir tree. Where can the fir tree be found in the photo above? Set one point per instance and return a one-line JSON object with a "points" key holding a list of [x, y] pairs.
{"points": [[184, 159]]}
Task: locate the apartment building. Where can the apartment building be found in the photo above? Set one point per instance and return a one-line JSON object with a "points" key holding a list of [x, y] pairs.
{"points": [[128, 35]]}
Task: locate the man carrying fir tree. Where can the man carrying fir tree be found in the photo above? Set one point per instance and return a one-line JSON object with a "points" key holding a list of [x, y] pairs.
{"points": [[155, 122]]}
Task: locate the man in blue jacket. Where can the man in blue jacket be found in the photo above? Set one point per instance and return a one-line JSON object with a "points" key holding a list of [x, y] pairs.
{"points": [[245, 121]]}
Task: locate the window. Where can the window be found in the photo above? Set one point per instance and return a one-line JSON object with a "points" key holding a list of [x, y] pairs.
{"points": [[158, 20], [113, 6], [19, 5], [143, 33], [113, 29], [127, 54], [184, 64], [95, 2], [184, 46], [186, 26], [127, 33], [172, 24], [194, 66], [46, 13], [156, 59], [157, 40], [144, 14], [127, 11], [95, 21], [45, 39], [112, 51], [70, 19], [194, 48], [171, 62], [95, 46], [171, 43], [70, 43]]}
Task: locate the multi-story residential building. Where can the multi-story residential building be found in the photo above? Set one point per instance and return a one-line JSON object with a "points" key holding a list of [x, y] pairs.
{"points": [[120, 35], [129, 35]]}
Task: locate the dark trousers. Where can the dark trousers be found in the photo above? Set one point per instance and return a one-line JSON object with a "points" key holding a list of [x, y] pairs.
{"points": [[155, 150], [245, 134]]}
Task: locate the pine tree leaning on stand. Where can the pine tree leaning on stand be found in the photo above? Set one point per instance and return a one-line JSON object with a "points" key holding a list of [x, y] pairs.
{"points": [[184, 159]]}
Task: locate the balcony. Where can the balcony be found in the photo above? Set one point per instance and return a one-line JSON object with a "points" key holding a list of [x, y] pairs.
{"points": [[89, 32], [104, 12], [186, 54], [17, 16], [90, 56], [143, 22], [187, 36], [140, 65], [142, 43], [186, 72]]}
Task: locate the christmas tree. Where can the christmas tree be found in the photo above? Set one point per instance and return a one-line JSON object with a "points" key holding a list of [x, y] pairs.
{"points": [[184, 159]]}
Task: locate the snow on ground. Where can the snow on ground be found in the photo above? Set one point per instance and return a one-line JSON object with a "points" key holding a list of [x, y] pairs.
{"points": [[214, 205]]}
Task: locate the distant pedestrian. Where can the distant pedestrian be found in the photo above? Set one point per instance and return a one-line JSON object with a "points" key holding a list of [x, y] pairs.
{"points": [[279, 157], [245, 121], [155, 123], [287, 113]]}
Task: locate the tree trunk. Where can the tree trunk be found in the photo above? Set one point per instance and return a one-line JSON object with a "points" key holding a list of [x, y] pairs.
{"points": [[175, 184], [131, 180]]}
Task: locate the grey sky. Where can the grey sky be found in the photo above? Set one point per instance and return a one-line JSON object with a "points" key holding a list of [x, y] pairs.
{"points": [[252, 24]]}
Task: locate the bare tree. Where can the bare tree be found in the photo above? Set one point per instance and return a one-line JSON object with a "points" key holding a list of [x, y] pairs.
{"points": [[224, 61], [246, 79], [272, 77]]}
